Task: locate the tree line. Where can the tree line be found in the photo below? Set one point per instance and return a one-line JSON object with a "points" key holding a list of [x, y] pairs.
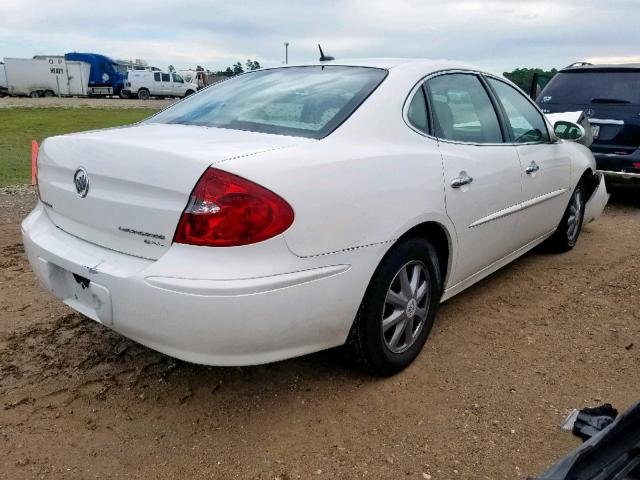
{"points": [[523, 77], [235, 69]]}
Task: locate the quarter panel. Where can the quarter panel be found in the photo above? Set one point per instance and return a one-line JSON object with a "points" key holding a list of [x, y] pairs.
{"points": [[348, 195]]}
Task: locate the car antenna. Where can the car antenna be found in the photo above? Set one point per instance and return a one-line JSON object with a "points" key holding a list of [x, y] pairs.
{"points": [[323, 57]]}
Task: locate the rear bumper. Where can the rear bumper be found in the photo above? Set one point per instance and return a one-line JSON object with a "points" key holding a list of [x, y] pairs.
{"points": [[619, 168], [229, 317]]}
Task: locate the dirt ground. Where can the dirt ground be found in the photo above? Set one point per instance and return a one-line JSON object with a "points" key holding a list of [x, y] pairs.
{"points": [[507, 360], [28, 102]]}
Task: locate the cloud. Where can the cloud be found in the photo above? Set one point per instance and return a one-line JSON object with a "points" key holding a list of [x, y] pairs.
{"points": [[497, 34]]}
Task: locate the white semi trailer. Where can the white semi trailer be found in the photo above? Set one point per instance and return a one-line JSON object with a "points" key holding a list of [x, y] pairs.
{"points": [[3, 81], [46, 76]]}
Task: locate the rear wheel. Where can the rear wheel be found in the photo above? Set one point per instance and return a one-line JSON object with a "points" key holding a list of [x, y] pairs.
{"points": [[35, 94], [143, 94], [398, 309], [48, 93], [189, 92], [567, 233]]}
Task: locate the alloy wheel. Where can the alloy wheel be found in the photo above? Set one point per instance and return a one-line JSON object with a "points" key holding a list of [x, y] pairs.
{"points": [[406, 307], [575, 215]]}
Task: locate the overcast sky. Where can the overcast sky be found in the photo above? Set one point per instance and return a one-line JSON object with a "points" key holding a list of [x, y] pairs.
{"points": [[499, 35]]}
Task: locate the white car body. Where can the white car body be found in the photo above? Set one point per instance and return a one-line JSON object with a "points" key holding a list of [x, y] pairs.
{"points": [[158, 84], [354, 193]]}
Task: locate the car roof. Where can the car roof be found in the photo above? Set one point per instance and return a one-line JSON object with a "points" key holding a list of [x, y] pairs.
{"points": [[605, 67], [424, 64]]}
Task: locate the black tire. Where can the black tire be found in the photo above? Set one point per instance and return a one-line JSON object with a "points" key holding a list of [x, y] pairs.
{"points": [[568, 231], [368, 346], [49, 94], [188, 92], [143, 94], [35, 94]]}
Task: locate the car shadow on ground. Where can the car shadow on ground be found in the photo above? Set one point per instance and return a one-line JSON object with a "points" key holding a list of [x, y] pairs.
{"points": [[627, 195]]}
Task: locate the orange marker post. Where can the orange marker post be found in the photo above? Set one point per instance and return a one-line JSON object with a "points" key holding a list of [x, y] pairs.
{"points": [[34, 161]]}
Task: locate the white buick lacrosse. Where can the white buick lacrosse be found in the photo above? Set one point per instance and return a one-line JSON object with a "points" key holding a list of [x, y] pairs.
{"points": [[295, 209]]}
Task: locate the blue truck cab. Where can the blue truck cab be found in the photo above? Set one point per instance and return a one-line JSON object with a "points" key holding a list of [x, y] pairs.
{"points": [[106, 78]]}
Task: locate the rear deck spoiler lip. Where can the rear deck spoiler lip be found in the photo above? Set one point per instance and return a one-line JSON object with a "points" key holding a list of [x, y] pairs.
{"points": [[609, 455]]}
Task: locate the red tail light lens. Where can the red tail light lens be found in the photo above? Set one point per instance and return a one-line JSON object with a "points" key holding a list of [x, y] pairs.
{"points": [[227, 211]]}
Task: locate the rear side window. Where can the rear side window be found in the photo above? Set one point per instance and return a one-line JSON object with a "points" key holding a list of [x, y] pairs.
{"points": [[297, 101], [417, 112], [156, 77], [462, 109], [527, 124], [166, 77], [583, 87]]}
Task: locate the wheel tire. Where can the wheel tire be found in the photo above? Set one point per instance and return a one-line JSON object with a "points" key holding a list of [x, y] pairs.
{"points": [[370, 345], [188, 92], [48, 94], [568, 231], [35, 94], [143, 94]]}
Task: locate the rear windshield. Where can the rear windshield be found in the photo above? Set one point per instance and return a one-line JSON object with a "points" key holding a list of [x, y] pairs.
{"points": [[296, 101], [590, 87]]}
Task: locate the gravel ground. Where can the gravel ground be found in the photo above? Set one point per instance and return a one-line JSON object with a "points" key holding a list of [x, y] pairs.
{"points": [[507, 360], [28, 102]]}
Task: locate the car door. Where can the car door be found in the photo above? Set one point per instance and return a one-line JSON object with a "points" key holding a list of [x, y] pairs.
{"points": [[156, 86], [167, 86], [178, 85], [546, 179], [482, 172]]}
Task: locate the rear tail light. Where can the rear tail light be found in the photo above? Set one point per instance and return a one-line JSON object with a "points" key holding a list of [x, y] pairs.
{"points": [[227, 211]]}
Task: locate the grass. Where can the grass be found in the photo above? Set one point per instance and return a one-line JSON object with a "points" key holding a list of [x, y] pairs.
{"points": [[18, 126]]}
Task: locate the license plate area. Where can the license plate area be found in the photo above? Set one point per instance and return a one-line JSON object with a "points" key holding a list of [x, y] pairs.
{"points": [[80, 293]]}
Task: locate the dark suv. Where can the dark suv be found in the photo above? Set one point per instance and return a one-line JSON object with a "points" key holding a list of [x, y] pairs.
{"points": [[610, 97]]}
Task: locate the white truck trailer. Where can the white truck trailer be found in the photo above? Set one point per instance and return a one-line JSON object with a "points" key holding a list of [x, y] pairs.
{"points": [[46, 76], [3, 81]]}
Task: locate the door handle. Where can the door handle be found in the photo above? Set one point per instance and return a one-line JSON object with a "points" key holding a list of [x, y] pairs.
{"points": [[533, 168], [461, 180]]}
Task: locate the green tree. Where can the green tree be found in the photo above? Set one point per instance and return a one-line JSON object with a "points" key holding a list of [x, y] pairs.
{"points": [[237, 68], [253, 65], [523, 77]]}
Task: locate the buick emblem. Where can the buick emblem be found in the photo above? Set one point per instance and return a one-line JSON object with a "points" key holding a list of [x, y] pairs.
{"points": [[81, 181], [589, 112]]}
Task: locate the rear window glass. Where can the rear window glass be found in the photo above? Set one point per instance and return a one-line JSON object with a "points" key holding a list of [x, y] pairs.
{"points": [[296, 101], [587, 87]]}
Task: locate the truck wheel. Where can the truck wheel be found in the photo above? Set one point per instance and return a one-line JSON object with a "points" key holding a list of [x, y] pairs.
{"points": [[124, 94], [143, 94], [35, 94], [49, 93], [189, 92]]}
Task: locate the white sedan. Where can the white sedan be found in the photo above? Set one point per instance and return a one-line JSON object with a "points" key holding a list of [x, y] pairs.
{"points": [[295, 209]]}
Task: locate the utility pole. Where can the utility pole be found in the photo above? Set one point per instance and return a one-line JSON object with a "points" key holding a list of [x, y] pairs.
{"points": [[286, 53]]}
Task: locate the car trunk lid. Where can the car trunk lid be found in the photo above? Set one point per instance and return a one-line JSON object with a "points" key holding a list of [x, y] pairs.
{"points": [[139, 179]]}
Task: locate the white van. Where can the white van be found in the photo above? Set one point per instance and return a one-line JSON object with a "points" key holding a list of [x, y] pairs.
{"points": [[144, 84]]}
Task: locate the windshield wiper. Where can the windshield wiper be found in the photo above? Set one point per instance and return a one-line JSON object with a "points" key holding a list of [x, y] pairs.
{"points": [[609, 100]]}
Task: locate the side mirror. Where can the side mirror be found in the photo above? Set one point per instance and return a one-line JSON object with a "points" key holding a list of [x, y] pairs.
{"points": [[572, 132]]}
